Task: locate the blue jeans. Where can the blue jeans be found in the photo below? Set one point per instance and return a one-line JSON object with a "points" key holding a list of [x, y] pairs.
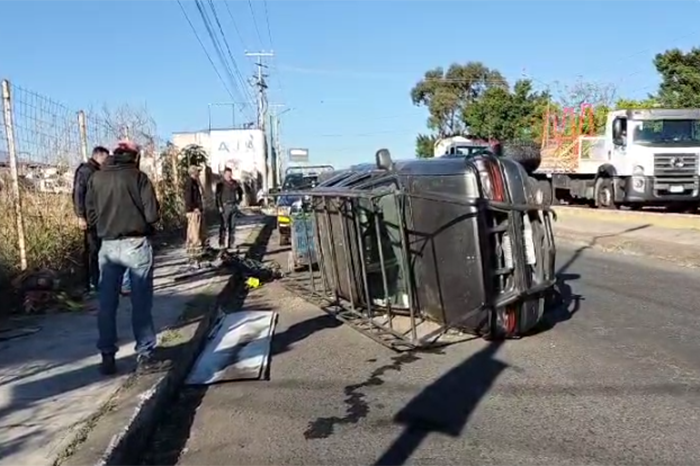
{"points": [[126, 281], [133, 256]]}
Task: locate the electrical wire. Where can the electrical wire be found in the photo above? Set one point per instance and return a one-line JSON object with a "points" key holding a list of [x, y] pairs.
{"points": [[204, 49], [267, 21], [239, 75], [243, 90], [217, 45], [255, 22], [235, 27], [272, 47]]}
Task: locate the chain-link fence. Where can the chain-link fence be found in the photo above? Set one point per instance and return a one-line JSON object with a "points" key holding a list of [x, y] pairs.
{"points": [[42, 142]]}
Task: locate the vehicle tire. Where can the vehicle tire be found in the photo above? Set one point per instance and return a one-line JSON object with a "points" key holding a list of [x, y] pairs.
{"points": [[604, 194], [503, 324], [526, 153], [547, 192]]}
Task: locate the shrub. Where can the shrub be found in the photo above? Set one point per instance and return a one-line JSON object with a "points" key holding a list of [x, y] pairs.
{"points": [[53, 240]]}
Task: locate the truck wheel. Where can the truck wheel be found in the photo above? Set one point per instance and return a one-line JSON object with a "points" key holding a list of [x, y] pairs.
{"points": [[545, 188], [604, 194], [526, 153], [541, 191]]}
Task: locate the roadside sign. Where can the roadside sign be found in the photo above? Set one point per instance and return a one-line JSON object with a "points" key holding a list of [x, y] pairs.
{"points": [[299, 155]]}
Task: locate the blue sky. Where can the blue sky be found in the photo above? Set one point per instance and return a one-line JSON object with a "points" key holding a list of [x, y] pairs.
{"points": [[345, 68]]}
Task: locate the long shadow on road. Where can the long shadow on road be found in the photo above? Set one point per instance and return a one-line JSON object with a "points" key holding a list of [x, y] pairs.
{"points": [[445, 406]]}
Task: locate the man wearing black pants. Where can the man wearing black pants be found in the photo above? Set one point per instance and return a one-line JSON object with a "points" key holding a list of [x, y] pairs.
{"points": [[228, 195], [91, 243]]}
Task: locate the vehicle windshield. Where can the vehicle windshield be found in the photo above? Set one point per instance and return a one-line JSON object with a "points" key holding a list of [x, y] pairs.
{"points": [[460, 151], [667, 131], [299, 182]]}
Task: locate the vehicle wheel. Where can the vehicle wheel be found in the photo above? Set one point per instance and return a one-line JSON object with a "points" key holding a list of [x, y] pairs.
{"points": [[541, 191], [526, 153], [548, 191], [503, 324], [604, 194]]}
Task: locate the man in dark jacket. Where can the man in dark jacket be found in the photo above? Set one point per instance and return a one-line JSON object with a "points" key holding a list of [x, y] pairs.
{"points": [[194, 208], [122, 205], [228, 195], [91, 243]]}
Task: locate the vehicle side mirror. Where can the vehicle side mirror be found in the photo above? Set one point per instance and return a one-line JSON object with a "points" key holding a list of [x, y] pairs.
{"points": [[617, 132], [383, 159], [273, 190]]}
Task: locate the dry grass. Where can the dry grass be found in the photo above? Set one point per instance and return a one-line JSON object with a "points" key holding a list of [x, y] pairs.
{"points": [[52, 237]]}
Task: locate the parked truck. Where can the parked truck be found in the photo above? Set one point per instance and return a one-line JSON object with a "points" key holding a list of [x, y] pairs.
{"points": [[645, 157]]}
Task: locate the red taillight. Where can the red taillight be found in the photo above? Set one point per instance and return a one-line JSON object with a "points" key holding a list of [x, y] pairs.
{"points": [[497, 187]]}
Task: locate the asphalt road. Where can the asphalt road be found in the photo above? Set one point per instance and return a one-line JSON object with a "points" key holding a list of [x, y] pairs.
{"points": [[615, 382]]}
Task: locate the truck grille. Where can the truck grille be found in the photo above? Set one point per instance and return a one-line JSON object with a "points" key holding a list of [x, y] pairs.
{"points": [[675, 167]]}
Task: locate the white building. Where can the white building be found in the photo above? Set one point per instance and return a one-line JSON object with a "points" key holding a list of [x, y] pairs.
{"points": [[242, 150]]}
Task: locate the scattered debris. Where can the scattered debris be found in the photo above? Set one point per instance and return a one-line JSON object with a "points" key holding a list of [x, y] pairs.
{"points": [[238, 348], [41, 293]]}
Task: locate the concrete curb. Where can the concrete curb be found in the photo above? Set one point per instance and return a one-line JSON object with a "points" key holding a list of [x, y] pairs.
{"points": [[681, 255], [153, 402], [660, 219]]}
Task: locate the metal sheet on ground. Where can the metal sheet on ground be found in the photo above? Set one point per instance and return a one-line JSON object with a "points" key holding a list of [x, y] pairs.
{"points": [[239, 349]]}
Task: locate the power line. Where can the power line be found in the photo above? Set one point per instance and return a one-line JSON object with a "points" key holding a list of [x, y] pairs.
{"points": [[216, 44], [235, 27], [267, 21], [255, 22], [272, 47], [213, 65], [238, 84], [241, 80]]}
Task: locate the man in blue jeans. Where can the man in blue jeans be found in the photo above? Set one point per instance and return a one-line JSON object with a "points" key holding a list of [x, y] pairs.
{"points": [[122, 205]]}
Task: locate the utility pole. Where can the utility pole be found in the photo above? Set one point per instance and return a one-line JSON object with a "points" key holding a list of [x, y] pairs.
{"points": [[278, 145], [261, 85], [275, 142]]}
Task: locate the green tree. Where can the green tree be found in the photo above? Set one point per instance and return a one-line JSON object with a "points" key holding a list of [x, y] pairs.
{"points": [[506, 115], [425, 146], [680, 78], [632, 104], [446, 94], [192, 155]]}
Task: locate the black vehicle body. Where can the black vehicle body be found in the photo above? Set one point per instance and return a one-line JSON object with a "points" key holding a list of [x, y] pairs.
{"points": [[457, 241]]}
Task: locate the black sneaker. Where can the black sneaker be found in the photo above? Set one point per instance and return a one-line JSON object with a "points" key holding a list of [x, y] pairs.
{"points": [[109, 364]]}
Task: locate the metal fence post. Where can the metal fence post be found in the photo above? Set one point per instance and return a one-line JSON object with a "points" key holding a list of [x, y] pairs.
{"points": [[83, 135], [12, 155]]}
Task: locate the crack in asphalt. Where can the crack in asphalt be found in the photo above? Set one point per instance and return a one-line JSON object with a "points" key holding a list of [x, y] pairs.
{"points": [[357, 407]]}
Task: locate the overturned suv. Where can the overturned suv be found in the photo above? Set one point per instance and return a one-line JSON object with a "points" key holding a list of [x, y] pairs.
{"points": [[458, 241]]}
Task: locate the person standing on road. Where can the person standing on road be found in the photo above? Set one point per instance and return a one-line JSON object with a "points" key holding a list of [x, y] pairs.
{"points": [[194, 208], [122, 204], [228, 196], [91, 243]]}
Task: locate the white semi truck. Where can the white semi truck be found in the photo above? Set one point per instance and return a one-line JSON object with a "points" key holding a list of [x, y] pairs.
{"points": [[644, 158]]}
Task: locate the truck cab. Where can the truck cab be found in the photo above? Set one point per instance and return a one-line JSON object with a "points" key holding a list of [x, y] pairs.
{"points": [[653, 155], [646, 157]]}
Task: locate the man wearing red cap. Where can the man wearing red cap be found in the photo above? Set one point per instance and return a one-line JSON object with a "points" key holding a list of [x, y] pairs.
{"points": [[122, 204]]}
